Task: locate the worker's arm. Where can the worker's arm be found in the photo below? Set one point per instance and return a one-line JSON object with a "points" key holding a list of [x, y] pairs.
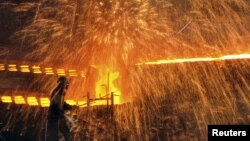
{"points": [[66, 106]]}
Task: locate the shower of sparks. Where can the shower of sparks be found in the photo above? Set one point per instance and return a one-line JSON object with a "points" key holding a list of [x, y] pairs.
{"points": [[205, 59], [119, 33]]}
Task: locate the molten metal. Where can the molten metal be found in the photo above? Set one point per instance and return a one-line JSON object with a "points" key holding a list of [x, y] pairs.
{"points": [[205, 59]]}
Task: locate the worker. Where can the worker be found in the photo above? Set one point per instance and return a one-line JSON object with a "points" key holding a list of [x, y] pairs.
{"points": [[56, 120]]}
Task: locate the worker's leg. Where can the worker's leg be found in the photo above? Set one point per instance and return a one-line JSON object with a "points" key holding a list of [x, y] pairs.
{"points": [[51, 132], [65, 130]]}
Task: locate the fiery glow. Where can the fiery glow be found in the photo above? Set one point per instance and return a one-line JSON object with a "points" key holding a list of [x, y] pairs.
{"points": [[19, 100], [71, 102], [49, 71], [12, 67], [2, 67], [82, 103], [225, 57], [32, 101], [72, 73], [24, 68], [106, 84], [44, 102], [83, 74], [36, 69], [237, 56], [46, 70], [61, 72], [6, 99]]}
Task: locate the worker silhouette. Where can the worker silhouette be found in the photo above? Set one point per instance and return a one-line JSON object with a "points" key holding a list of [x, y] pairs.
{"points": [[56, 120]]}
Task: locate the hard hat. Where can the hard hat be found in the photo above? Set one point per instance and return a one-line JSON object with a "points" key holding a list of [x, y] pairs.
{"points": [[63, 80]]}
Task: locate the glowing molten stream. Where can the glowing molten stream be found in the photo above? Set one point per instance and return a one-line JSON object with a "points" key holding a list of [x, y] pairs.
{"points": [[107, 84], [205, 59]]}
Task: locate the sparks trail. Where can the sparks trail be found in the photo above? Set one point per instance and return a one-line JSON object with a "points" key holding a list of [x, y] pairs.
{"points": [[205, 59]]}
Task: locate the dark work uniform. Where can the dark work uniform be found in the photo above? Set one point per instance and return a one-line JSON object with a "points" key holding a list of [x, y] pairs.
{"points": [[56, 120]]}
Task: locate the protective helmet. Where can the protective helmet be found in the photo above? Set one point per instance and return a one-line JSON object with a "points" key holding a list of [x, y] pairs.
{"points": [[63, 80]]}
